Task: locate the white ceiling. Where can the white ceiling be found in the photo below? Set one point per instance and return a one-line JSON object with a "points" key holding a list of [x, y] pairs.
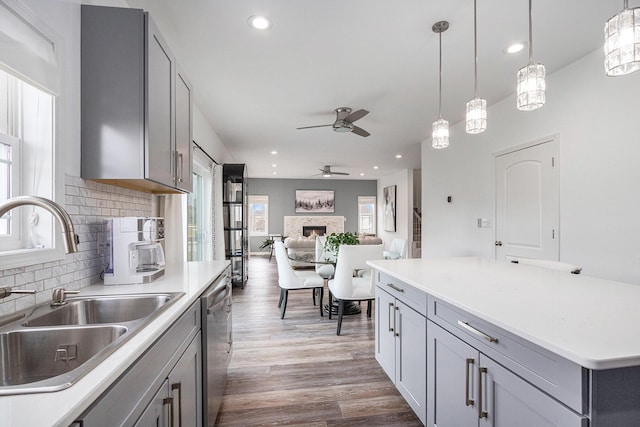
{"points": [[381, 55]]}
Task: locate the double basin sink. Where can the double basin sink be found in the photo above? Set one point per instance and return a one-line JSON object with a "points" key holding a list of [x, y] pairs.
{"points": [[50, 348]]}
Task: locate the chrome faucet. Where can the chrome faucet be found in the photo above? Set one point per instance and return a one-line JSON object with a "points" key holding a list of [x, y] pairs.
{"points": [[68, 233], [5, 291]]}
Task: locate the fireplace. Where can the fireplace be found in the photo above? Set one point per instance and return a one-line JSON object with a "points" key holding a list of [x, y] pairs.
{"points": [[318, 230]]}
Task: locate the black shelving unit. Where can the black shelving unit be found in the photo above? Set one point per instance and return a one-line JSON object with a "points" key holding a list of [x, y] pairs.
{"points": [[235, 211]]}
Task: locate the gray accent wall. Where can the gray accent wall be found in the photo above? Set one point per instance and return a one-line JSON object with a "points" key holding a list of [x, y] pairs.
{"points": [[282, 192]]}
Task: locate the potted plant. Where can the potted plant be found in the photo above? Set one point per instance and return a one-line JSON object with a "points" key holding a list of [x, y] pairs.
{"points": [[334, 240]]}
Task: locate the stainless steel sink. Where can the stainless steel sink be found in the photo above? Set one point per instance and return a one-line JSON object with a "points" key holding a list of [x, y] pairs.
{"points": [[49, 348], [103, 309], [28, 356]]}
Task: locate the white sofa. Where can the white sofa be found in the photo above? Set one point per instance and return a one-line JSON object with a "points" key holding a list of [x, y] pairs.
{"points": [[301, 250]]}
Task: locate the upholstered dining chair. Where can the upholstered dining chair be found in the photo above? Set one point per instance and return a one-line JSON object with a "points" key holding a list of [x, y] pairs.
{"points": [[353, 280], [290, 279], [545, 263], [397, 249]]}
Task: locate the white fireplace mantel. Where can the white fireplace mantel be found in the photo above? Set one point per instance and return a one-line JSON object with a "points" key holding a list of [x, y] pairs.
{"points": [[293, 224]]}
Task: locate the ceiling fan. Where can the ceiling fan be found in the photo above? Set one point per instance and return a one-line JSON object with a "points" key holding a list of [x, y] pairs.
{"points": [[344, 121], [327, 172]]}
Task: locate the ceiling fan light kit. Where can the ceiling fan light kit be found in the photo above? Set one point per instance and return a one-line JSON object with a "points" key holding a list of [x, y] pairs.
{"points": [[440, 128], [622, 42], [327, 172], [344, 121]]}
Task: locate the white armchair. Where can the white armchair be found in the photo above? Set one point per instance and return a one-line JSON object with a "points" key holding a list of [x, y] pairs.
{"points": [[289, 280], [347, 286]]}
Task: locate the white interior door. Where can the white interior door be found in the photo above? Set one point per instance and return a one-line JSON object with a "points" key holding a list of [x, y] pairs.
{"points": [[527, 203]]}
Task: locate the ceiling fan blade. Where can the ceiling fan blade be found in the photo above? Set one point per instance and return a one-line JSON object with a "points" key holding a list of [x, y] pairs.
{"points": [[340, 173], [356, 115], [318, 126], [359, 131]]}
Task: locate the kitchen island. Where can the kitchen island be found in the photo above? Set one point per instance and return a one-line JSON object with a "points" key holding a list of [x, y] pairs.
{"points": [[61, 408], [493, 329]]}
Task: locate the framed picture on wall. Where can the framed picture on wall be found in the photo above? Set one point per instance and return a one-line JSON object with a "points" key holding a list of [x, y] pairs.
{"points": [[389, 207], [315, 201]]}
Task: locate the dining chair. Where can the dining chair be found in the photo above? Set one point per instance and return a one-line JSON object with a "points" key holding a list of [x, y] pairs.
{"points": [[545, 263], [397, 249], [290, 279], [353, 280]]}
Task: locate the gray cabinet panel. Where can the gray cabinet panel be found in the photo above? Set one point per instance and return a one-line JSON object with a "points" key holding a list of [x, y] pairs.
{"points": [[184, 132], [385, 338], [185, 383], [157, 413]]}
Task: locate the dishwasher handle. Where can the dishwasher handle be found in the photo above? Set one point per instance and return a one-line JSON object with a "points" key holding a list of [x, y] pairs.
{"points": [[218, 297]]}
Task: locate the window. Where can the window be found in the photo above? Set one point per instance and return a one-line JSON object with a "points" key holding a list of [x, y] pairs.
{"points": [[199, 222], [258, 215], [30, 160], [366, 215]]}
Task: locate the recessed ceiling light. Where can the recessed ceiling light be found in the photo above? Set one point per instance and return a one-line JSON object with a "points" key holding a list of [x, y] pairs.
{"points": [[275, 173], [375, 167], [259, 22], [515, 47], [274, 152], [274, 165], [361, 173], [398, 156]]}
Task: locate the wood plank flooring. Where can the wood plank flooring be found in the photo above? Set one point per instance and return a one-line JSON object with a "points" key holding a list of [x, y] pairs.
{"points": [[295, 371]]}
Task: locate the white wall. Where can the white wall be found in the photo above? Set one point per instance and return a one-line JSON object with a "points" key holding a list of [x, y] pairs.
{"points": [[597, 120], [403, 181]]}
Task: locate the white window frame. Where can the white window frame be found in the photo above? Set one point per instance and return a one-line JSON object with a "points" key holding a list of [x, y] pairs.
{"points": [[12, 241], [203, 168], [37, 62], [254, 200], [367, 200]]}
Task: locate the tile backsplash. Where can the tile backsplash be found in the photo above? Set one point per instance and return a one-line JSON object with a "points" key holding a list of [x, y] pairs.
{"points": [[88, 203]]}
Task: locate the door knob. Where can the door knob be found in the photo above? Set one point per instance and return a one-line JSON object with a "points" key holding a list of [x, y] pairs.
{"points": [[498, 243]]}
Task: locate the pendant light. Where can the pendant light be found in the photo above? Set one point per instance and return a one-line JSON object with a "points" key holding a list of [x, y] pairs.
{"points": [[530, 87], [622, 42], [440, 128], [476, 107]]}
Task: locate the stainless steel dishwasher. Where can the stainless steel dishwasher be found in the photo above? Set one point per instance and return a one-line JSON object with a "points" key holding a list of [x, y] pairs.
{"points": [[216, 344]]}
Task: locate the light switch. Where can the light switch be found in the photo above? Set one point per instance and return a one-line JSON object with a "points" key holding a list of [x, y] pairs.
{"points": [[484, 223]]}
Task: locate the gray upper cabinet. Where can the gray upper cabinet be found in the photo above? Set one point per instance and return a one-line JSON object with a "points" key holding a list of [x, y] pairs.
{"points": [[136, 108]]}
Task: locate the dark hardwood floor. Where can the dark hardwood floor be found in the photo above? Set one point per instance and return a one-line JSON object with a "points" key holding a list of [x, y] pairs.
{"points": [[295, 371]]}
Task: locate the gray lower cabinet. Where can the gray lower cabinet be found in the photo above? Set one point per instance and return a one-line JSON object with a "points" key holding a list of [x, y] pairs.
{"points": [[163, 387], [467, 388], [401, 348], [136, 107], [178, 401]]}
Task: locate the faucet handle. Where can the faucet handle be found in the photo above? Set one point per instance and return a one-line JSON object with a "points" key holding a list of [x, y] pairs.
{"points": [[59, 296], [5, 291]]}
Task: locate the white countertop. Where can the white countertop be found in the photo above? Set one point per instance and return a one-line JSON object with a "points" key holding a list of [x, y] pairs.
{"points": [[592, 322], [62, 407]]}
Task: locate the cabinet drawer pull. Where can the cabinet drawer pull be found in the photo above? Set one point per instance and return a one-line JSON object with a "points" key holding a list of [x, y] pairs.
{"points": [[178, 386], [474, 331], [169, 401], [395, 288], [390, 311], [468, 400], [481, 412]]}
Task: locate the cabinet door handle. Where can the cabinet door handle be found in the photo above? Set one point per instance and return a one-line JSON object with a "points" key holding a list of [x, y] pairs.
{"points": [[474, 331], [481, 412], [169, 401], [178, 386], [395, 288], [395, 319], [469, 364], [179, 165], [390, 313]]}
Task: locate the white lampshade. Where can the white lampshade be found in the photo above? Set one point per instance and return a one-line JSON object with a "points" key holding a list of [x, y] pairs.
{"points": [[530, 87], [622, 42], [440, 134], [476, 115]]}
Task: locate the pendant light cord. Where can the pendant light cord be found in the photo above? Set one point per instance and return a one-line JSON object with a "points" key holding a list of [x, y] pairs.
{"points": [[440, 78], [475, 51], [531, 35]]}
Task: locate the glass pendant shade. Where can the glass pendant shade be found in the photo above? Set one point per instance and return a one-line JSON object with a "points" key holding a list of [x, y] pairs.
{"points": [[622, 42], [476, 115], [530, 87], [440, 134]]}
